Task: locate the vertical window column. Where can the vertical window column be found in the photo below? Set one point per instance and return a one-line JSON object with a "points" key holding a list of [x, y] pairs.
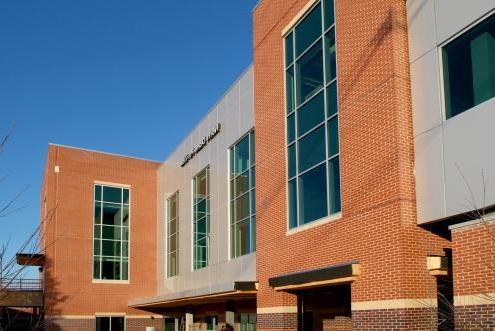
{"points": [[201, 219], [312, 117], [242, 197], [173, 235], [111, 233]]}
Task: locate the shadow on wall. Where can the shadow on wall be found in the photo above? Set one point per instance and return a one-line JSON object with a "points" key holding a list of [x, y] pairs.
{"points": [[53, 302]]}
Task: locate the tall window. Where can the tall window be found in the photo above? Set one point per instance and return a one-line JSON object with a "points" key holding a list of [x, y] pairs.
{"points": [[312, 117], [109, 323], [111, 233], [242, 203], [201, 219], [469, 68], [173, 235]]}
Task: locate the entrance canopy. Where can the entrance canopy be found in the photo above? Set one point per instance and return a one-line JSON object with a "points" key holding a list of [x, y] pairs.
{"points": [[238, 291], [336, 274]]}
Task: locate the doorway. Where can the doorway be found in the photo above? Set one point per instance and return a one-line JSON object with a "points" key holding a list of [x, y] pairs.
{"points": [[326, 309]]}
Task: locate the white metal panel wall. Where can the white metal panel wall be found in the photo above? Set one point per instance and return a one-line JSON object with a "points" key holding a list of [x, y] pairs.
{"points": [[449, 155], [234, 111]]}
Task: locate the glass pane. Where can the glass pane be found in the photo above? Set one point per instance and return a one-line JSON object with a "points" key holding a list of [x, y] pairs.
{"points": [[112, 194], [252, 143], [312, 149], [172, 207], [242, 155], [112, 232], [333, 136], [232, 189], [172, 227], [242, 183], [252, 179], [242, 207], [125, 233], [96, 267], [98, 192], [232, 212], [117, 323], [172, 243], [252, 202], [233, 252], [331, 67], [334, 183], [289, 49], [231, 154], [125, 215], [97, 212], [200, 209], [172, 264], [242, 233], [332, 99], [125, 269], [309, 73], [110, 248], [126, 195], [112, 214], [201, 185], [103, 324], [308, 30], [313, 195], [292, 160], [292, 204], [329, 13], [200, 228], [125, 249], [469, 68], [290, 89], [110, 268], [291, 128], [253, 234], [96, 247], [310, 115], [97, 232]]}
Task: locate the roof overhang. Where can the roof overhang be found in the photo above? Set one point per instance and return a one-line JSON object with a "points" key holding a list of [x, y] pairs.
{"points": [[327, 276], [29, 259], [240, 291]]}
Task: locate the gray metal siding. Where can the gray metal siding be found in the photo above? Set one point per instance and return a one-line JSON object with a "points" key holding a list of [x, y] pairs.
{"points": [[450, 155], [234, 111]]}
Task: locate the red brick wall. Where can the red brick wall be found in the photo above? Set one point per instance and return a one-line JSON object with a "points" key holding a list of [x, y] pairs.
{"points": [[339, 323], [473, 250], [396, 319], [474, 276], [378, 224], [69, 231]]}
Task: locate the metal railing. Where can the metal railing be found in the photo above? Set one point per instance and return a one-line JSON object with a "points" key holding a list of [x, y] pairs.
{"points": [[21, 284]]}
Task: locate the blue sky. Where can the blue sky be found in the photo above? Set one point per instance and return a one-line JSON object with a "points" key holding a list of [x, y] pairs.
{"points": [[122, 76]]}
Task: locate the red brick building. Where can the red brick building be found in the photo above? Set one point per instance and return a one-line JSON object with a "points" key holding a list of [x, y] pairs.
{"points": [[319, 193], [73, 296]]}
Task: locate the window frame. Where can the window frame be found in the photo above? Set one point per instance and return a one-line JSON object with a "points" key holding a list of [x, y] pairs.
{"points": [[112, 316], [291, 30], [441, 66], [207, 218], [111, 281], [250, 134], [175, 195]]}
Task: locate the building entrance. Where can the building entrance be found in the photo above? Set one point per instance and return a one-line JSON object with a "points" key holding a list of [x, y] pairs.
{"points": [[326, 309]]}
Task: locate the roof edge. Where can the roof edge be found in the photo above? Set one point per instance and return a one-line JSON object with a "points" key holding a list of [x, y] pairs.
{"points": [[103, 152]]}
